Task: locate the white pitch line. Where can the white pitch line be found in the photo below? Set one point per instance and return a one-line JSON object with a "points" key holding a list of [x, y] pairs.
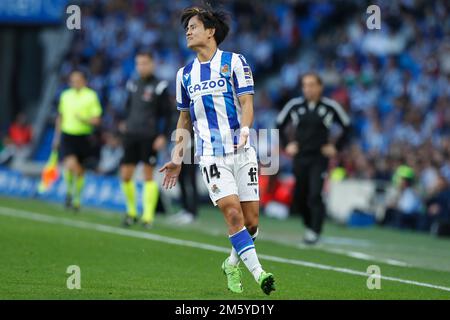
{"points": [[364, 256], [193, 244]]}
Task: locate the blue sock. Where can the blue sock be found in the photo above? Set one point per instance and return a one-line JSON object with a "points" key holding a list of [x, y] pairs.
{"points": [[234, 257], [242, 241], [243, 244]]}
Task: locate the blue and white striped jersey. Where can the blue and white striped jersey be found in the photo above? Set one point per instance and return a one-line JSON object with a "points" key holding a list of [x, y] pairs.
{"points": [[210, 91]]}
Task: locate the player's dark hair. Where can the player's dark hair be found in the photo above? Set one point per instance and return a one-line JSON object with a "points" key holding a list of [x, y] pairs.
{"points": [[313, 74], [211, 19]]}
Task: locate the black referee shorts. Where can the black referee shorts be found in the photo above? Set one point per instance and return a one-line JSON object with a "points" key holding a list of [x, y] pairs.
{"points": [[78, 146], [138, 149]]}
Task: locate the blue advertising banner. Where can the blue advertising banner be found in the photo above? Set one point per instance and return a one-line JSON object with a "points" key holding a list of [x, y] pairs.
{"points": [[102, 192], [32, 11]]}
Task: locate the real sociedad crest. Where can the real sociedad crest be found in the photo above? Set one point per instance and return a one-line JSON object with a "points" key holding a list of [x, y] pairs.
{"points": [[225, 70]]}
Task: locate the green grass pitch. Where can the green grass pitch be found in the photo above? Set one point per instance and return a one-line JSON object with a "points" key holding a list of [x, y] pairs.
{"points": [[39, 240]]}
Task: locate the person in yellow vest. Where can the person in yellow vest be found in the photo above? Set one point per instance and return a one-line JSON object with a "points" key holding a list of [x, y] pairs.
{"points": [[79, 112]]}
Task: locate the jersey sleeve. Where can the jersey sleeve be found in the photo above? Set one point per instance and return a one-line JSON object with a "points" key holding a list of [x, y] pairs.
{"points": [[129, 92], [285, 118], [96, 108], [242, 76], [181, 93], [61, 103]]}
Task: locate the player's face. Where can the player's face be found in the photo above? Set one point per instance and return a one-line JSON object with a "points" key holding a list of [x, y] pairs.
{"points": [[144, 65], [77, 80], [311, 87], [196, 34]]}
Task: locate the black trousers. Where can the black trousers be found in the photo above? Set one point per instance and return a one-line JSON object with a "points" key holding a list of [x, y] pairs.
{"points": [[188, 186], [310, 173]]}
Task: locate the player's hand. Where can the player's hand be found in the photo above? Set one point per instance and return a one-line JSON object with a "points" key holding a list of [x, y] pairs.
{"points": [[292, 148], [159, 143], [171, 173], [329, 150], [242, 139]]}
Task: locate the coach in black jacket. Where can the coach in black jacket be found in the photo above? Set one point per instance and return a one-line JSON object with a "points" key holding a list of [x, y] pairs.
{"points": [[310, 119]]}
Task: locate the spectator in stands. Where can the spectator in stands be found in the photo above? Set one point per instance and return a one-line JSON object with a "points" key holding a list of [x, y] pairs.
{"points": [[17, 140], [405, 209], [438, 205], [7, 151], [20, 131]]}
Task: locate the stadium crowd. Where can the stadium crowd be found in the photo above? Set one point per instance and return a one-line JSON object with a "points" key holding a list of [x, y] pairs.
{"points": [[17, 139], [394, 82]]}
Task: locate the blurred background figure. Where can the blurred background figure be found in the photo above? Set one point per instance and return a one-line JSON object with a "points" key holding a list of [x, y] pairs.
{"points": [[17, 141], [111, 154], [79, 113], [438, 207], [7, 150], [188, 187], [311, 117], [405, 210], [145, 130], [20, 131]]}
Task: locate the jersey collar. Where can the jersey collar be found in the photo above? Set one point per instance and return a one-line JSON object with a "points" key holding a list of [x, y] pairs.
{"points": [[212, 58]]}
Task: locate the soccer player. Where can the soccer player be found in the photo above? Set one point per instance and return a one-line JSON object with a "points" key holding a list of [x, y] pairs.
{"points": [[79, 113], [215, 96], [144, 134]]}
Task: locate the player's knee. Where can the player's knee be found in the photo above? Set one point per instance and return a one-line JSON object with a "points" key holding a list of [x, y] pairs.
{"points": [[79, 172], [125, 179], [78, 169], [74, 166], [69, 163], [148, 178], [126, 174], [234, 216], [148, 174]]}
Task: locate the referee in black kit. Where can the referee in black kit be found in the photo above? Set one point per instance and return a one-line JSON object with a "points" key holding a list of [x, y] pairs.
{"points": [[145, 132], [310, 118]]}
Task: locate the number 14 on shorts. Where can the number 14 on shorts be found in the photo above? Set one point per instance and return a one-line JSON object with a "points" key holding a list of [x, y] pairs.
{"points": [[213, 172]]}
